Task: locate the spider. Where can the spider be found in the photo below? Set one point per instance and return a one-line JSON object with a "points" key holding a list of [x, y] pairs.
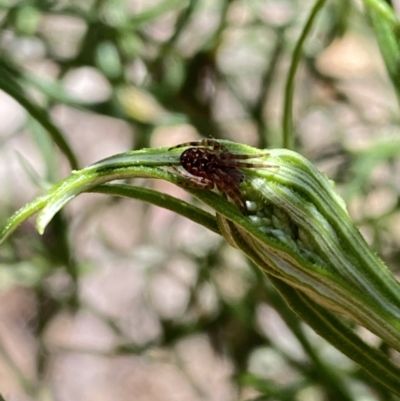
{"points": [[210, 165]]}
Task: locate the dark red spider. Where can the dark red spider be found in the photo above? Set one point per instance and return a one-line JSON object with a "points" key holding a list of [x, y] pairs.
{"points": [[211, 165]]}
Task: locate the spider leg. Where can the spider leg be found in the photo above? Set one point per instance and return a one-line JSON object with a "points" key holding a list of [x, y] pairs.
{"points": [[193, 181], [234, 160], [237, 197], [236, 156], [212, 143], [182, 145], [248, 165], [229, 186]]}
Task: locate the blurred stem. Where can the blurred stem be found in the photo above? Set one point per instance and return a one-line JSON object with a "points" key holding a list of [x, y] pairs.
{"points": [[267, 80], [162, 200], [327, 377], [384, 11], [387, 32], [155, 11], [10, 85], [287, 120], [182, 22]]}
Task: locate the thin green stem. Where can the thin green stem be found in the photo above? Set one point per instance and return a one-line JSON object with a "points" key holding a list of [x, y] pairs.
{"points": [[165, 201], [287, 120]]}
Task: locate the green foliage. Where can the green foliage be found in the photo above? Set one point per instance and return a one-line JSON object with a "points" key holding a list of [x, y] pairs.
{"points": [[230, 70]]}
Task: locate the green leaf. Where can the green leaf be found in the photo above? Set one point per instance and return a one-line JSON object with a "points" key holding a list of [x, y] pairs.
{"points": [[297, 231]]}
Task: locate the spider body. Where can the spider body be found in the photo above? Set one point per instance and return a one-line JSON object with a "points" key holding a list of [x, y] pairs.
{"points": [[209, 165]]}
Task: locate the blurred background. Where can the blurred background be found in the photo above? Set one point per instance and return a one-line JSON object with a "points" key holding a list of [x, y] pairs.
{"points": [[120, 300]]}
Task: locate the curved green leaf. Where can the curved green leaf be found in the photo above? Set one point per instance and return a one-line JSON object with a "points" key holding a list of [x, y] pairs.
{"points": [[297, 231]]}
